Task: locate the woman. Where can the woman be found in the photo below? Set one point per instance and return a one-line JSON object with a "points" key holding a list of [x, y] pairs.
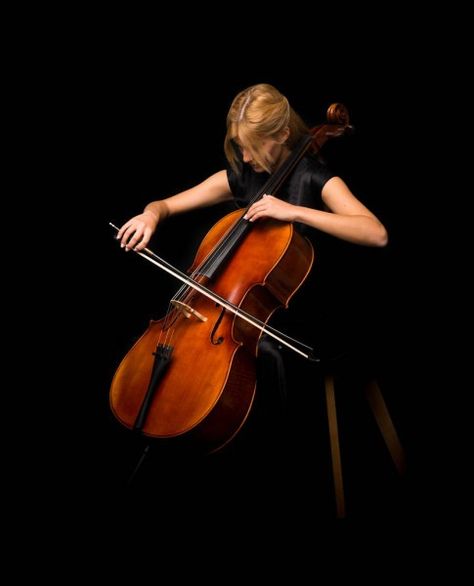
{"points": [[262, 130]]}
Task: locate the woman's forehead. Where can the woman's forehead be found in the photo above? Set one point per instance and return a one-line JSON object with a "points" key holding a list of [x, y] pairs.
{"points": [[246, 138]]}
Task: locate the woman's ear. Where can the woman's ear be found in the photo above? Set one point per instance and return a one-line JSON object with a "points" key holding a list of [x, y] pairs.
{"points": [[284, 134]]}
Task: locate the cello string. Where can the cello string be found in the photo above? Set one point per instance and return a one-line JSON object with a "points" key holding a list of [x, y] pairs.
{"points": [[220, 251], [218, 254], [237, 311]]}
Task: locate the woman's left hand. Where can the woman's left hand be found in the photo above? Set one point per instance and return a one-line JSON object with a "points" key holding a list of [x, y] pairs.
{"points": [[271, 207]]}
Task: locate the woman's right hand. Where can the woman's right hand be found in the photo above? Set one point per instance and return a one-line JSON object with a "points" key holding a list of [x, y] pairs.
{"points": [[136, 233]]}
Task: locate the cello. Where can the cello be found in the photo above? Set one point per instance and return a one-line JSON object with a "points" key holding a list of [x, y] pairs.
{"points": [[190, 379]]}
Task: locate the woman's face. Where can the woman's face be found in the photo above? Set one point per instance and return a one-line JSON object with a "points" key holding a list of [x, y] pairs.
{"points": [[270, 150]]}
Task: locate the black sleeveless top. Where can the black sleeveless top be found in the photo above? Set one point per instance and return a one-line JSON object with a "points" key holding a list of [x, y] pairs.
{"points": [[302, 188]]}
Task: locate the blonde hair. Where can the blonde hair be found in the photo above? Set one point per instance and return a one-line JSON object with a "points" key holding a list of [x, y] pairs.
{"points": [[257, 113]]}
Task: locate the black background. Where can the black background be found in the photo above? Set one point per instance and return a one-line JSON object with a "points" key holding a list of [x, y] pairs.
{"points": [[148, 122]]}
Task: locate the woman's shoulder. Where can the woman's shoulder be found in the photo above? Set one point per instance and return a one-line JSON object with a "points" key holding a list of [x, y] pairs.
{"points": [[315, 164], [313, 171]]}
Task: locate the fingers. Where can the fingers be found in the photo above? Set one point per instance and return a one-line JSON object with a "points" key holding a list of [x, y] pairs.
{"points": [[270, 207], [136, 233], [122, 229], [133, 235], [141, 244], [259, 209]]}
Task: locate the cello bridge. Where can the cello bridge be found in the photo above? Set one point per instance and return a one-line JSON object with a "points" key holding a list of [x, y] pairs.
{"points": [[187, 310]]}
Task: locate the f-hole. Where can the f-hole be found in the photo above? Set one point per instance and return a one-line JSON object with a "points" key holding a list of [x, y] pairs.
{"points": [[220, 339]]}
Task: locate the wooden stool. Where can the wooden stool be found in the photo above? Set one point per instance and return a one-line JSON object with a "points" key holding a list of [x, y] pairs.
{"points": [[384, 423]]}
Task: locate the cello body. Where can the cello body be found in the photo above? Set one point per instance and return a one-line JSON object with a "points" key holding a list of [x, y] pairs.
{"points": [[205, 394]]}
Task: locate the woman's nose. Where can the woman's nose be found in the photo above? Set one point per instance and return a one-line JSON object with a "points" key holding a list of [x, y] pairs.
{"points": [[247, 157]]}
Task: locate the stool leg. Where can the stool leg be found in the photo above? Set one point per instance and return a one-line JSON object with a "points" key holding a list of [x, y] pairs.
{"points": [[335, 449], [385, 424]]}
